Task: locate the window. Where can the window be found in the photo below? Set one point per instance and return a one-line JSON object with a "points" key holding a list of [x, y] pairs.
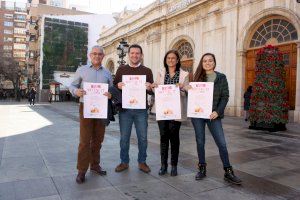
{"points": [[20, 46], [8, 16], [8, 39], [20, 17], [43, 1], [57, 3], [20, 31], [20, 39], [19, 54], [9, 5], [8, 23], [9, 32], [20, 9], [32, 38], [5, 47], [7, 55], [279, 29], [185, 50], [19, 24]]}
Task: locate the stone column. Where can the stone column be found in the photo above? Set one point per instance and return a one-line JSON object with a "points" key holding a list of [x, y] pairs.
{"points": [[240, 82], [296, 114]]}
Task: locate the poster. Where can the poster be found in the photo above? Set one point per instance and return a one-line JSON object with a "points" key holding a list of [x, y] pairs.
{"points": [[167, 102], [134, 92], [94, 101], [200, 99]]}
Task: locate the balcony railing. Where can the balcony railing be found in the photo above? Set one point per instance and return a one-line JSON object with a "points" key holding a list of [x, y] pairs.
{"points": [[23, 10], [20, 19]]}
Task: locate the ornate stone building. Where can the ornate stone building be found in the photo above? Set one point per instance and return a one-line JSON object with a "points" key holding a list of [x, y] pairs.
{"points": [[231, 29]]}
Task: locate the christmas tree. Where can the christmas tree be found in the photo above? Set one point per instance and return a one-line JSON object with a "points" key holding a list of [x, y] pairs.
{"points": [[269, 105]]}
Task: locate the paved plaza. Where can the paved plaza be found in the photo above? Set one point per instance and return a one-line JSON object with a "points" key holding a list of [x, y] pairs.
{"points": [[38, 153]]}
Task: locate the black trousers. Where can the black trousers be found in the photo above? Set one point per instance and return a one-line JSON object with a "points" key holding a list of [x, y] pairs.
{"points": [[169, 133]]}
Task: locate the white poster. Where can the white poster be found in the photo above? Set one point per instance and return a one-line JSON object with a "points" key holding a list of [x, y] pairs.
{"points": [[167, 102], [94, 101], [200, 99], [134, 92]]}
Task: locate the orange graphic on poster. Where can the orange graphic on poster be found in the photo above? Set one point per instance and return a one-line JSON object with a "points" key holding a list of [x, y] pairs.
{"points": [[95, 110], [198, 109], [168, 112]]}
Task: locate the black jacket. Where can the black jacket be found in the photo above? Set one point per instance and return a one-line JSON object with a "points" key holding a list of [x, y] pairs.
{"points": [[221, 94]]}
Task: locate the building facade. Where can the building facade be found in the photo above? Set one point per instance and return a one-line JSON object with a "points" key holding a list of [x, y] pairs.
{"points": [[36, 12], [13, 43], [233, 30], [55, 3]]}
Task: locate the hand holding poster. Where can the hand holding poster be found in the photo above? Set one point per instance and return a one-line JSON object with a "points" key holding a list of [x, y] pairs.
{"points": [[167, 102], [200, 99], [94, 101], [134, 92]]}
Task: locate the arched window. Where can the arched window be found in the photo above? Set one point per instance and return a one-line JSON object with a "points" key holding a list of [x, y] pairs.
{"points": [[185, 50], [186, 54], [110, 66], [279, 30]]}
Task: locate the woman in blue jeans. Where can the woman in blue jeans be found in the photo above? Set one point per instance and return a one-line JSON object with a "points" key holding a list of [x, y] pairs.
{"points": [[206, 73]]}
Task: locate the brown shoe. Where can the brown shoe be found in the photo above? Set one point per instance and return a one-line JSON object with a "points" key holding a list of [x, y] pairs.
{"points": [[98, 170], [144, 167], [121, 167], [80, 177]]}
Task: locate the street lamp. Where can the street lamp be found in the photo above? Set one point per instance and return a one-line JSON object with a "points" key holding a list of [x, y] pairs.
{"points": [[122, 49]]}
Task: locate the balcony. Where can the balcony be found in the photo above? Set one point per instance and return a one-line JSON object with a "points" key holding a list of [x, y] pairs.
{"points": [[20, 10], [20, 19], [32, 38]]}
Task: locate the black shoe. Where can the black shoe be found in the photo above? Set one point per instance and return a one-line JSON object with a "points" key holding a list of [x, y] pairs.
{"points": [[163, 170], [230, 177], [202, 172], [80, 177], [98, 170], [174, 170]]}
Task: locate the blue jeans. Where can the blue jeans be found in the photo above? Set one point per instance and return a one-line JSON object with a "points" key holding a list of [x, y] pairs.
{"points": [[215, 127], [140, 119]]}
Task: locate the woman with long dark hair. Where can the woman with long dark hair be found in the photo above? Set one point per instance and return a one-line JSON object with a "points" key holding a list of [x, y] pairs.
{"points": [[206, 73], [169, 129]]}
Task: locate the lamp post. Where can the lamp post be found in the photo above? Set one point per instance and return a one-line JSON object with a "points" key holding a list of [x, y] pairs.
{"points": [[122, 50]]}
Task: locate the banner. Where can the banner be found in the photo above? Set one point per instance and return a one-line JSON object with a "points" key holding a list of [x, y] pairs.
{"points": [[134, 92], [94, 101], [200, 99], [167, 102]]}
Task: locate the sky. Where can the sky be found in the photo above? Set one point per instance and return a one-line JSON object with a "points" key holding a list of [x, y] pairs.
{"points": [[110, 6], [105, 6]]}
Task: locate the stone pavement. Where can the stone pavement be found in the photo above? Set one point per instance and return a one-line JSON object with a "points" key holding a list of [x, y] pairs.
{"points": [[38, 152]]}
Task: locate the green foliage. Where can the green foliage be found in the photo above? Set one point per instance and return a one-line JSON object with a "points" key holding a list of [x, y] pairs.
{"points": [[269, 97], [65, 47]]}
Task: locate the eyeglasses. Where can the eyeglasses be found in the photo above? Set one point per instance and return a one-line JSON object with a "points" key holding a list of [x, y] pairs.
{"points": [[97, 54]]}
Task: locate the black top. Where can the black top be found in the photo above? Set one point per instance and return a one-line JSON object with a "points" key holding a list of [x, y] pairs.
{"points": [[168, 80]]}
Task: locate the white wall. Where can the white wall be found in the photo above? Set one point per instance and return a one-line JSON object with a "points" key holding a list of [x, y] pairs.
{"points": [[65, 81]]}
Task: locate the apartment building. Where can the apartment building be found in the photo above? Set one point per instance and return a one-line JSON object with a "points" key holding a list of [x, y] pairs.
{"points": [[13, 43]]}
